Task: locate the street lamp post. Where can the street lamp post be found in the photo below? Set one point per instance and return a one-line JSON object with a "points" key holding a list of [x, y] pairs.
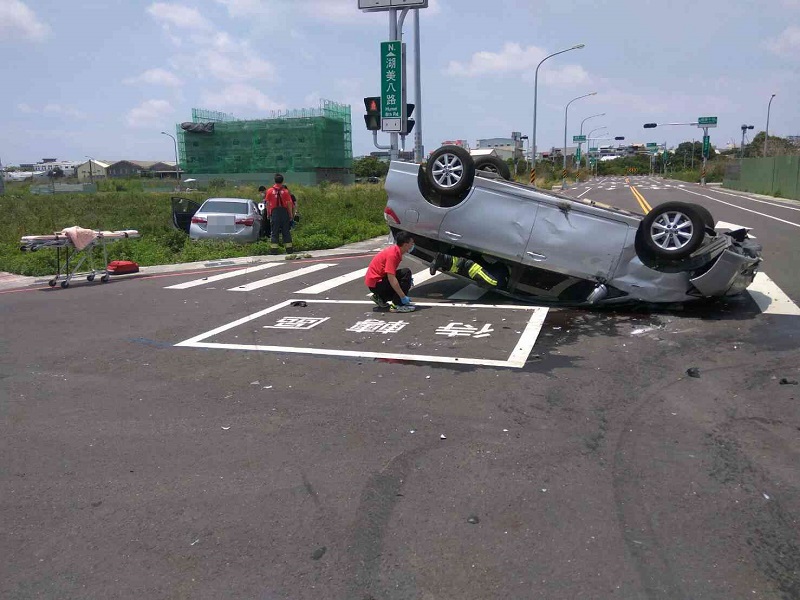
{"points": [[766, 133], [579, 143], [535, 93], [177, 165], [589, 139], [566, 109]]}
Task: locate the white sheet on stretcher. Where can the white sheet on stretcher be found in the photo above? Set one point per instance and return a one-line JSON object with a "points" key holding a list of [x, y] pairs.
{"points": [[80, 237]]}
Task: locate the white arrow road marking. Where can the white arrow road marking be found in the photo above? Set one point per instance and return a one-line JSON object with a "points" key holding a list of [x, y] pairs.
{"points": [[770, 298]]}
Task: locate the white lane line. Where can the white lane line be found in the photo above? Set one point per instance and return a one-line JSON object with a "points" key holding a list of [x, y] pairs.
{"points": [[770, 298], [587, 190], [743, 197], [221, 276], [470, 292], [335, 282], [278, 278], [755, 212], [423, 276]]}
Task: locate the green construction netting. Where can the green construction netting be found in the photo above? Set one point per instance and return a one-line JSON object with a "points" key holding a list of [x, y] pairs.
{"points": [[296, 140]]}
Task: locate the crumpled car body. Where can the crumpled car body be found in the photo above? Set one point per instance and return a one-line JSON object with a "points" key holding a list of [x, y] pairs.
{"points": [[561, 250]]}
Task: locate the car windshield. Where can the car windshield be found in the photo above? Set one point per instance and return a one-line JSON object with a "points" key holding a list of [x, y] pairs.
{"points": [[221, 206]]}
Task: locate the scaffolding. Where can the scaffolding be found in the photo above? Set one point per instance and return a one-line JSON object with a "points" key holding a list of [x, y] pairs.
{"points": [[314, 141]]}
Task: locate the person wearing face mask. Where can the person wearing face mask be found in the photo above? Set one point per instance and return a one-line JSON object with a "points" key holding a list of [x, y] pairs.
{"points": [[388, 283]]}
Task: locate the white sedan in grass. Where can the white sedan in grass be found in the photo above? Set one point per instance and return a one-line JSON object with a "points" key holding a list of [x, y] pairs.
{"points": [[233, 219]]}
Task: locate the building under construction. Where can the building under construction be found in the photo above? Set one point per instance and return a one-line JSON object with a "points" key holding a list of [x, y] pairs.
{"points": [[306, 145]]}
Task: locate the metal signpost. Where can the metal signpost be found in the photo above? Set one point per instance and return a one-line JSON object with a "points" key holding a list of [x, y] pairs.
{"points": [[705, 123], [394, 109], [579, 139]]}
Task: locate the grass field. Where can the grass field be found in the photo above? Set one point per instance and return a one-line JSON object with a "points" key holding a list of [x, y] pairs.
{"points": [[332, 215]]}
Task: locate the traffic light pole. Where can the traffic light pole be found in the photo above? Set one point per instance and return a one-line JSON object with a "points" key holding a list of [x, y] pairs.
{"points": [[394, 150]]}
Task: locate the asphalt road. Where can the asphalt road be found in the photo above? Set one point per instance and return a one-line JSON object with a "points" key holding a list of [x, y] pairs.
{"points": [[295, 452]]}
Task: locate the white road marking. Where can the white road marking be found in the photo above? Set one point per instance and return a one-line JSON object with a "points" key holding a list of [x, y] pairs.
{"points": [[743, 208], [770, 298], [423, 276], [587, 190], [470, 292], [516, 359], [779, 205], [249, 287], [221, 276], [335, 282]]}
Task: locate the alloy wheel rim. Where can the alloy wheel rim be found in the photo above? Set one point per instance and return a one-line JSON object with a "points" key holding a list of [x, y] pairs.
{"points": [[672, 231], [448, 170]]}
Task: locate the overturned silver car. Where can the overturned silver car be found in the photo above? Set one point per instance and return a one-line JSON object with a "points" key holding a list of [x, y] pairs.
{"points": [[555, 249]]}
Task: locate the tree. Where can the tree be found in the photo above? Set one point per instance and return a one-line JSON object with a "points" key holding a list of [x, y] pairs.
{"points": [[56, 173], [369, 166], [776, 146]]}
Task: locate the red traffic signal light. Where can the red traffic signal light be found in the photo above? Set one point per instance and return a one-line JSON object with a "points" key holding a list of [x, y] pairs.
{"points": [[373, 117]]}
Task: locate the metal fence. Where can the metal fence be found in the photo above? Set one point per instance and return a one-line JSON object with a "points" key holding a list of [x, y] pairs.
{"points": [[773, 176], [63, 188]]}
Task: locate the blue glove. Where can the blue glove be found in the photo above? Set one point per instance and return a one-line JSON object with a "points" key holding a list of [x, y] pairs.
{"points": [[291, 224], [405, 300]]}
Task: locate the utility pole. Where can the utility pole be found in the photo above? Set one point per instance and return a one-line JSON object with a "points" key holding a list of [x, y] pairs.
{"points": [[766, 133], [741, 150]]}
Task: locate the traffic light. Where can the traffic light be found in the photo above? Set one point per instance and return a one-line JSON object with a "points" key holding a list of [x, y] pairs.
{"points": [[650, 125], [373, 116], [409, 121]]}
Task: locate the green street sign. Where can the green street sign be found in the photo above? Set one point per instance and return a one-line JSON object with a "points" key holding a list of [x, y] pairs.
{"points": [[706, 145], [578, 155], [652, 145], [592, 149], [578, 138], [707, 121], [392, 92]]}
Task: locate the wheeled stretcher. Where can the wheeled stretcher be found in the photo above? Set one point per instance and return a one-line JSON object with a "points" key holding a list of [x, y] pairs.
{"points": [[78, 245]]}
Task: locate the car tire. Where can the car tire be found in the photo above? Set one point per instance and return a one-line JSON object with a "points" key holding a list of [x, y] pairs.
{"points": [[450, 170], [705, 214], [672, 230], [493, 164]]}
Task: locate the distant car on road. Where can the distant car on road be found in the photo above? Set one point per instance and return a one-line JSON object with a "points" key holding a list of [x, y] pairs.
{"points": [[558, 249], [233, 219]]}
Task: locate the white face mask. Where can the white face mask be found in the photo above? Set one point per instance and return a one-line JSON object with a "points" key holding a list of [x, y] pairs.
{"points": [[412, 247]]}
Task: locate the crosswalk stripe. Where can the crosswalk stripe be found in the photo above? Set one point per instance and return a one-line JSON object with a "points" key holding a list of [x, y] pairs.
{"points": [[332, 283], [221, 276], [423, 276], [470, 292], [283, 277], [770, 298]]}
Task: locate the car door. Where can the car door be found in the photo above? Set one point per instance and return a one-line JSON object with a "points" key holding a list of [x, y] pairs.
{"points": [[183, 210], [497, 223], [576, 240]]}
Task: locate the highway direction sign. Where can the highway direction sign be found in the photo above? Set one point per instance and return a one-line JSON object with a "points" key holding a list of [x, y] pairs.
{"points": [[707, 121], [376, 5], [578, 138]]}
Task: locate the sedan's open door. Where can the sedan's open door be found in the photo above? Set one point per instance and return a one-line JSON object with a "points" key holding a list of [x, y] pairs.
{"points": [[183, 210]]}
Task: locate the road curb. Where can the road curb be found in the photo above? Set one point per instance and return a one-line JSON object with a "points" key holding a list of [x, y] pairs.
{"points": [[9, 281]]}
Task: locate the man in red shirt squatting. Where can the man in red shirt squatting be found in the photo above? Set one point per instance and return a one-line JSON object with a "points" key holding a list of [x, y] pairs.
{"points": [[388, 284]]}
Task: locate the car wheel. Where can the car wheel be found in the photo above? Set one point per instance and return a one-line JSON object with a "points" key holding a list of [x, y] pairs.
{"points": [[450, 170], [672, 230], [493, 164], [705, 214]]}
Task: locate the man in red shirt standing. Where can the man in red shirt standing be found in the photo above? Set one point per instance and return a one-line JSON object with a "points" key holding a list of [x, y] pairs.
{"points": [[388, 284], [280, 212]]}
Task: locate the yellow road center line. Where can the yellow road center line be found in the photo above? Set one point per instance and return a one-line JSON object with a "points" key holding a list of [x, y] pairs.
{"points": [[647, 206], [640, 199]]}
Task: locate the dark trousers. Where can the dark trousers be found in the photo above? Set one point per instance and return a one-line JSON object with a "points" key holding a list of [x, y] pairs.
{"points": [[384, 288], [279, 223]]}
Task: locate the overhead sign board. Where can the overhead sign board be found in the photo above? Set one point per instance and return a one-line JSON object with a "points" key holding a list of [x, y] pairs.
{"points": [[707, 121], [393, 103], [652, 145], [592, 149], [376, 5], [578, 138]]}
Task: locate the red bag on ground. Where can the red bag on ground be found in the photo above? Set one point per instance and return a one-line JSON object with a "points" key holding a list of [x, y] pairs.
{"points": [[121, 267]]}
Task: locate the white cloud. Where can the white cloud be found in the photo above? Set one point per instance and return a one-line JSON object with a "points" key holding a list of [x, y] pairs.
{"points": [[180, 16], [155, 77], [787, 43], [149, 113], [239, 95], [51, 109], [515, 59], [19, 21]]}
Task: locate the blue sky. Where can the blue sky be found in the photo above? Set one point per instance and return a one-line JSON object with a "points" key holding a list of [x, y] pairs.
{"points": [[104, 77]]}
